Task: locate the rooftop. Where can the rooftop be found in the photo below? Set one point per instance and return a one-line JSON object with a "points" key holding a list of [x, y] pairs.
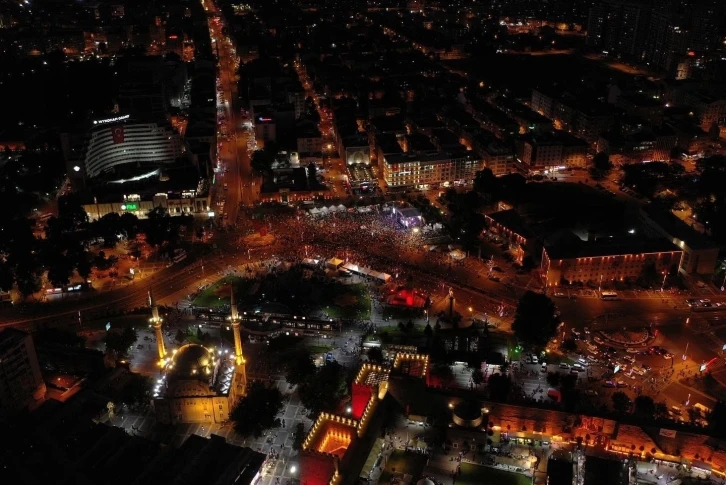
{"points": [[562, 246], [678, 229]]}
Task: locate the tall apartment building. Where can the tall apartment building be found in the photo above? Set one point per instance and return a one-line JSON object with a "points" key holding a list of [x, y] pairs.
{"points": [[619, 27], [425, 170], [21, 383]]}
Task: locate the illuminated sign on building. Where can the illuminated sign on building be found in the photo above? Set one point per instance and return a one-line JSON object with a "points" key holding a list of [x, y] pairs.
{"points": [[129, 207], [111, 120]]}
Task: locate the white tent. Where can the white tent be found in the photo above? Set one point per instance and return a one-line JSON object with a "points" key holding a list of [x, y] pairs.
{"points": [[324, 210], [314, 211], [341, 208], [457, 254], [332, 208]]}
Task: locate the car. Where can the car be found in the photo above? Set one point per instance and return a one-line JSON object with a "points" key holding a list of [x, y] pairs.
{"points": [[563, 365], [621, 384], [528, 360], [629, 358], [544, 367], [609, 384], [139, 347], [700, 284], [591, 392], [535, 360], [574, 371], [559, 294], [676, 410], [575, 332], [587, 331], [598, 340], [646, 368], [592, 359], [705, 301], [667, 356], [632, 350]]}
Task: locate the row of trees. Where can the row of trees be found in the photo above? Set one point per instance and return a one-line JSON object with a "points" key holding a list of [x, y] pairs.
{"points": [[25, 258]]}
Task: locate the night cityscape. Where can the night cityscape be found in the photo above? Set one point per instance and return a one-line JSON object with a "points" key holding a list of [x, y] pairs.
{"points": [[360, 242]]}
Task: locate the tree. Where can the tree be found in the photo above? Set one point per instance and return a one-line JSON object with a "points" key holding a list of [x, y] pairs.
{"points": [[6, 277], [486, 185], [621, 401], [534, 321], [499, 387], [261, 162], [477, 376], [258, 410], [323, 389], [299, 437], [569, 345], [648, 275], [136, 391], [644, 407], [60, 268], [300, 367], [120, 340], [661, 410], [312, 175], [27, 276], [375, 354], [83, 265], [602, 162], [443, 374], [428, 331], [180, 336]]}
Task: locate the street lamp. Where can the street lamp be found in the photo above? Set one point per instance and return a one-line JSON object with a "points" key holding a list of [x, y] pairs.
{"points": [[599, 288], [662, 286]]}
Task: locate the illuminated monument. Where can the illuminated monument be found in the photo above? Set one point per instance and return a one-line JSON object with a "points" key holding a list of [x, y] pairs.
{"points": [[201, 384], [156, 323]]}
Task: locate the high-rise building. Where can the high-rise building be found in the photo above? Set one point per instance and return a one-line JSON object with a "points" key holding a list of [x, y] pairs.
{"points": [[619, 27], [117, 142], [21, 384]]}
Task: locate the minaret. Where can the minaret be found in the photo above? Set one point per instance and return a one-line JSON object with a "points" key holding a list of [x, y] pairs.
{"points": [[240, 374], [156, 322], [234, 319]]}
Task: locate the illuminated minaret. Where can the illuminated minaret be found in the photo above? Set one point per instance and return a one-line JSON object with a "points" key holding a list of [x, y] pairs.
{"points": [[240, 375], [234, 319], [156, 322]]}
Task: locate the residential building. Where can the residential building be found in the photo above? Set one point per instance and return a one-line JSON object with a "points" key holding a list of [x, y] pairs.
{"points": [[548, 151], [510, 226], [426, 170], [710, 109], [497, 156], [21, 384]]}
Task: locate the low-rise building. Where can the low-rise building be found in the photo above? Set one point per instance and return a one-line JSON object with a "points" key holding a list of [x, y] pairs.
{"points": [[548, 151], [700, 254], [567, 258]]}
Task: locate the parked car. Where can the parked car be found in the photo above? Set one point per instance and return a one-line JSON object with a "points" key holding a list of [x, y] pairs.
{"points": [[591, 392], [563, 365], [609, 384]]}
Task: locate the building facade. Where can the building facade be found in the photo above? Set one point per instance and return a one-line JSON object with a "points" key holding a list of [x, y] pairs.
{"points": [[425, 170], [21, 384], [601, 265], [116, 142]]}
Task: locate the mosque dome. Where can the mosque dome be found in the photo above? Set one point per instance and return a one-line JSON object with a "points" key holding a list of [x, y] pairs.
{"points": [[192, 360]]}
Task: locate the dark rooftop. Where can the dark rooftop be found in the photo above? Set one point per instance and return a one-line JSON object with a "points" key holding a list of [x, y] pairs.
{"points": [[561, 246], [513, 221], [603, 471], [678, 229], [559, 472]]}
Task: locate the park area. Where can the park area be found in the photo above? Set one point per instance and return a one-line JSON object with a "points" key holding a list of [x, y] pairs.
{"points": [[402, 463], [294, 291], [485, 475]]}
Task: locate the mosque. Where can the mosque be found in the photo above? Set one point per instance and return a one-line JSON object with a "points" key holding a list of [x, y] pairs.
{"points": [[198, 384]]}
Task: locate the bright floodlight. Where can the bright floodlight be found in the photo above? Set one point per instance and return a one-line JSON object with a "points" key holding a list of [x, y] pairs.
{"points": [[76, 168], [293, 469]]}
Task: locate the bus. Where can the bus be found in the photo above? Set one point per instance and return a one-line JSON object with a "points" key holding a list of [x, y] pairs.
{"points": [[179, 255], [608, 295]]}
